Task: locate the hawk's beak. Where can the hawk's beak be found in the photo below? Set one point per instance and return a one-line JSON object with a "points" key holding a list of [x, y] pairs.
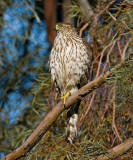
{"points": [[55, 27]]}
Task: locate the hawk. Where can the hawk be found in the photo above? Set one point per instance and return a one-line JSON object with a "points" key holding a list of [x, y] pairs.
{"points": [[70, 60]]}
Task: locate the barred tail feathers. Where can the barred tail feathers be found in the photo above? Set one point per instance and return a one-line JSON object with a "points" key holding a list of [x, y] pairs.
{"points": [[72, 118]]}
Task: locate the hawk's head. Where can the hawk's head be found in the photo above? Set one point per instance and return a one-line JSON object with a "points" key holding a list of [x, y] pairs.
{"points": [[64, 28]]}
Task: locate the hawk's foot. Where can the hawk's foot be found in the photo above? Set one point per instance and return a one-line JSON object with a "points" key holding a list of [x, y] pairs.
{"points": [[65, 97]]}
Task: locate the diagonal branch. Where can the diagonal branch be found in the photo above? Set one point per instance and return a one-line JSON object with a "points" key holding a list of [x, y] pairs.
{"points": [[55, 113], [117, 150]]}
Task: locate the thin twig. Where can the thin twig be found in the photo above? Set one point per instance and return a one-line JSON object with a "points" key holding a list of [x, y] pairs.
{"points": [[101, 57], [87, 111], [119, 48], [82, 29], [105, 8], [107, 61], [113, 119], [106, 109], [125, 48]]}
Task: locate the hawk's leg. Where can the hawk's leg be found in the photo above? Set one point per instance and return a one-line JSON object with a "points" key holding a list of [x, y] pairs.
{"points": [[65, 96]]}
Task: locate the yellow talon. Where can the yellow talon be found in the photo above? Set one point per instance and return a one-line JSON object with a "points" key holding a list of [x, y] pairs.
{"points": [[66, 96]]}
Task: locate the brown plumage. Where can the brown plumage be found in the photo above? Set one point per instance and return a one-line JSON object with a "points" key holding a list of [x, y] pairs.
{"points": [[70, 60]]}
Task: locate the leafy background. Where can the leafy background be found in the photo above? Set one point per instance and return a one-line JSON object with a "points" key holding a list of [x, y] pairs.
{"points": [[26, 93]]}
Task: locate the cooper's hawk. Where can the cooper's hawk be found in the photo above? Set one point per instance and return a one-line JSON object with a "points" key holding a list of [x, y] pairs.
{"points": [[70, 60]]}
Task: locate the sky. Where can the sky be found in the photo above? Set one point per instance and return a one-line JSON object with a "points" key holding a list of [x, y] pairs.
{"points": [[12, 38]]}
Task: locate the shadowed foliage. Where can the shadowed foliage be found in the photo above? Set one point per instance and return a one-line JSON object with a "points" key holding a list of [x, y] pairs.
{"points": [[105, 114]]}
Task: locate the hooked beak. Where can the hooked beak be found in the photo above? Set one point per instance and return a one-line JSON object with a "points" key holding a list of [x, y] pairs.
{"points": [[54, 28]]}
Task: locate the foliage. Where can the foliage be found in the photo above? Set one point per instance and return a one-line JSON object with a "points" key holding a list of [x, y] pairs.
{"points": [[23, 50], [111, 32], [74, 11]]}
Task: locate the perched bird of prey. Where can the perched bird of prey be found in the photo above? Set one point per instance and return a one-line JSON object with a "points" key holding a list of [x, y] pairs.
{"points": [[70, 60]]}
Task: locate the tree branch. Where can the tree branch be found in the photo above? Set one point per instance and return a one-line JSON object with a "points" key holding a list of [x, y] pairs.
{"points": [[85, 8], [50, 19], [55, 113], [117, 150]]}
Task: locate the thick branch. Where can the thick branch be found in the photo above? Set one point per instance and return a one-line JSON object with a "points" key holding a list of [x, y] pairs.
{"points": [[50, 19], [85, 8], [118, 150], [55, 113], [66, 18]]}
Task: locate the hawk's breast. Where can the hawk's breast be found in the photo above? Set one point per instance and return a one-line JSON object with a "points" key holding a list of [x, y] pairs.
{"points": [[68, 61]]}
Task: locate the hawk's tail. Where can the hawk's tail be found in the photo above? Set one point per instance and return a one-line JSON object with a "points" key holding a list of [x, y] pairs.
{"points": [[72, 118]]}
